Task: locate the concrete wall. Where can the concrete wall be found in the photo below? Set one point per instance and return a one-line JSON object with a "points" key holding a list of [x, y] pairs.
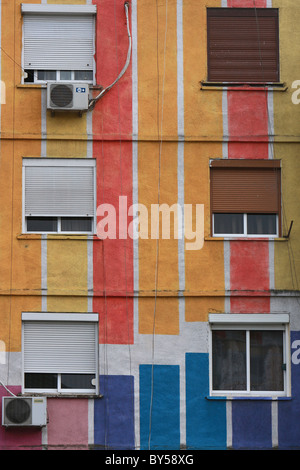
{"points": [[152, 136]]}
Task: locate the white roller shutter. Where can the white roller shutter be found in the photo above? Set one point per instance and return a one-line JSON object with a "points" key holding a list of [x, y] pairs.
{"points": [[59, 189], [59, 41], [60, 347]]}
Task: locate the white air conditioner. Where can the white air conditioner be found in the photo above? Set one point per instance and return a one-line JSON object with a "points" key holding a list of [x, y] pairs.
{"points": [[67, 96], [24, 411]]}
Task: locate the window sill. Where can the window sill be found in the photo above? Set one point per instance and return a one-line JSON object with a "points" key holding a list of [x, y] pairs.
{"points": [[210, 86], [231, 398], [246, 239], [60, 395], [50, 236], [44, 85]]}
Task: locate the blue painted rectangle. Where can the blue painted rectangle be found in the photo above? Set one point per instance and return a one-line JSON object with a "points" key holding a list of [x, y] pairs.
{"points": [[205, 419], [159, 407], [289, 411], [251, 424], [114, 413]]}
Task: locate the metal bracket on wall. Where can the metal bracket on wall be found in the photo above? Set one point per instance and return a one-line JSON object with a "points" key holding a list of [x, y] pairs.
{"points": [[290, 229]]}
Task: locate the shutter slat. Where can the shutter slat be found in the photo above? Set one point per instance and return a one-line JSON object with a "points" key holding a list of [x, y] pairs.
{"points": [[59, 191], [59, 347], [245, 190], [242, 46], [58, 42]]}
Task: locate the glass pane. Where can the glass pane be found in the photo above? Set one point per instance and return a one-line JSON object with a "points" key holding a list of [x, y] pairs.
{"points": [[83, 75], [229, 223], [261, 224], [41, 224], [33, 380], [266, 359], [76, 224], [229, 360], [77, 381], [46, 74], [65, 75]]}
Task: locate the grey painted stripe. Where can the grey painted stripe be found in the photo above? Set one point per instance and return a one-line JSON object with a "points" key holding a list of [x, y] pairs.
{"points": [[270, 110], [44, 272], [274, 412], [44, 237], [227, 274], [169, 349], [229, 423], [225, 123], [135, 370], [90, 243], [271, 265], [226, 245], [180, 151], [89, 131], [180, 189]]}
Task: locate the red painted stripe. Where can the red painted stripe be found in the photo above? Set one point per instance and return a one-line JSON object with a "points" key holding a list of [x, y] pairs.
{"points": [[248, 124], [246, 3], [112, 120], [250, 305], [68, 424], [248, 131], [249, 274]]}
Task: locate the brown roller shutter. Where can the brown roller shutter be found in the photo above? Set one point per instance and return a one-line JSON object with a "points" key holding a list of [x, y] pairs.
{"points": [[243, 45], [242, 189]]}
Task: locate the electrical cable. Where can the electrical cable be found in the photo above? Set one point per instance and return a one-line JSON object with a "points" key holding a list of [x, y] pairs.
{"points": [[106, 396], [93, 101], [160, 138], [1, 383], [121, 183], [294, 277]]}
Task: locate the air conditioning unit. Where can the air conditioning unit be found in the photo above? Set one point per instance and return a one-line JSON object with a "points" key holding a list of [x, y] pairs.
{"points": [[67, 96], [24, 411]]}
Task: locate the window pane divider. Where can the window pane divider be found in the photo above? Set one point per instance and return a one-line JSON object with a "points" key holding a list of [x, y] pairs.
{"points": [[245, 224], [248, 361]]}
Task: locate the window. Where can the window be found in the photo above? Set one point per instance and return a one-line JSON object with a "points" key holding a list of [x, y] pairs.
{"points": [[249, 354], [243, 45], [58, 42], [42, 76], [245, 198], [59, 195], [60, 353]]}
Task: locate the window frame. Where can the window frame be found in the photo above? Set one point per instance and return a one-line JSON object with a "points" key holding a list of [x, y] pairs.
{"points": [[58, 79], [236, 12], [91, 162], [62, 317], [248, 322], [246, 164], [245, 234], [57, 9]]}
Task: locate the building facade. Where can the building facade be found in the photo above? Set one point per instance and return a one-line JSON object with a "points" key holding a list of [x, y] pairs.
{"points": [[183, 334]]}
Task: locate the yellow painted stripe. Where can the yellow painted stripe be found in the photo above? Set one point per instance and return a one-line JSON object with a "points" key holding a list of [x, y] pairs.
{"points": [[157, 161], [203, 109]]}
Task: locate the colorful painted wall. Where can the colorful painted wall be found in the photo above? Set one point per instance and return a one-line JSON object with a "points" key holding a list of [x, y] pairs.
{"points": [[152, 136]]}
